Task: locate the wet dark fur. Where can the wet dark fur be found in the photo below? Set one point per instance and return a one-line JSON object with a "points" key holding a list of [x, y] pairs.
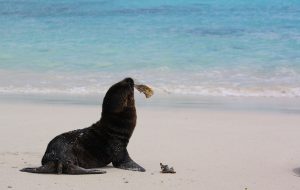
{"points": [[83, 150]]}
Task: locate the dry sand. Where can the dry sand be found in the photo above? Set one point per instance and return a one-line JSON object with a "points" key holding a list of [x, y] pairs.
{"points": [[210, 150]]}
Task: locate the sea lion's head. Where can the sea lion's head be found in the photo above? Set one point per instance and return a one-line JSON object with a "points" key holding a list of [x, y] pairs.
{"points": [[119, 97]]}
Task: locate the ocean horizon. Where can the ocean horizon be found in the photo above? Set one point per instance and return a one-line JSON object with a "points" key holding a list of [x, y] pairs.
{"points": [[187, 48]]}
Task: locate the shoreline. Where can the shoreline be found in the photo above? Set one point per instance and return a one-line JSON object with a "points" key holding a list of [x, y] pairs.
{"points": [[229, 103]]}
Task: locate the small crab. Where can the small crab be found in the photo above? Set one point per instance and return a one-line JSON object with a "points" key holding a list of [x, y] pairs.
{"points": [[166, 169]]}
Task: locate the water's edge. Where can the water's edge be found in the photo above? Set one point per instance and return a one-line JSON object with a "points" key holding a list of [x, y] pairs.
{"points": [[248, 104]]}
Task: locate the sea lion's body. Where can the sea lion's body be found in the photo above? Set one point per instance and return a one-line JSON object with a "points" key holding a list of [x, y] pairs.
{"points": [[83, 150]]}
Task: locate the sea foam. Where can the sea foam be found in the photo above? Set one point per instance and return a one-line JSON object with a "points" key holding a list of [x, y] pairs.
{"points": [[163, 81]]}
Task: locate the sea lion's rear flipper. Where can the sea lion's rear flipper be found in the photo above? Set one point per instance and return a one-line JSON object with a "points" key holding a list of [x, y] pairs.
{"points": [[45, 169], [51, 168], [77, 170], [129, 165]]}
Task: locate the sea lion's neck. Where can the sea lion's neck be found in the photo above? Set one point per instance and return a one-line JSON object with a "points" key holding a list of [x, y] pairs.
{"points": [[128, 113], [118, 126]]}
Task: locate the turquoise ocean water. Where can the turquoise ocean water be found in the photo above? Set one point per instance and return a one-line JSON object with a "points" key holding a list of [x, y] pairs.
{"points": [[183, 47]]}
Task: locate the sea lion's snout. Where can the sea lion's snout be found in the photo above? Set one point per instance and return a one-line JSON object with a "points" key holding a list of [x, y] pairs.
{"points": [[129, 81], [140, 87]]}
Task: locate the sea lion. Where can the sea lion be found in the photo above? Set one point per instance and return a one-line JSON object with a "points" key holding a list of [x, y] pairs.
{"points": [[81, 151]]}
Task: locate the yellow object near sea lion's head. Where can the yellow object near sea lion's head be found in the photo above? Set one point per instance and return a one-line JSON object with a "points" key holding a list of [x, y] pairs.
{"points": [[144, 89]]}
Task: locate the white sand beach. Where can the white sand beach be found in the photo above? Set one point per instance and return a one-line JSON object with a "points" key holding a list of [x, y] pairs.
{"points": [[209, 149]]}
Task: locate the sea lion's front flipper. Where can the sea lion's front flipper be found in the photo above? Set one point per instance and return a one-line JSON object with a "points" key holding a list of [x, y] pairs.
{"points": [[129, 164], [77, 170]]}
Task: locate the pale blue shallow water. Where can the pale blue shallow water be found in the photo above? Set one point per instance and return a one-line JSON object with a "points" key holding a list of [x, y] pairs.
{"points": [[207, 48]]}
